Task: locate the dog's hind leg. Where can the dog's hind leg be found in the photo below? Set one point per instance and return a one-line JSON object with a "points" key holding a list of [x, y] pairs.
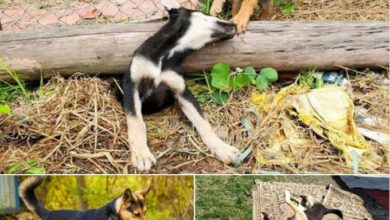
{"points": [[141, 157], [191, 109]]}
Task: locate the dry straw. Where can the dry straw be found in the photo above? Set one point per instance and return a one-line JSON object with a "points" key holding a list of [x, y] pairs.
{"points": [[78, 126], [337, 10]]}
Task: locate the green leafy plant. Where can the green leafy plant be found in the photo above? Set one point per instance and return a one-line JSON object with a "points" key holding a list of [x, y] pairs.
{"points": [[267, 75], [286, 7], [26, 167], [225, 81], [220, 97]]}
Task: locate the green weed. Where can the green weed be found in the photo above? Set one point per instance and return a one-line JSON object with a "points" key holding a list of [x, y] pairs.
{"points": [[26, 167], [8, 91], [205, 7], [308, 79], [15, 76], [5, 109], [12, 91], [286, 7], [224, 80]]}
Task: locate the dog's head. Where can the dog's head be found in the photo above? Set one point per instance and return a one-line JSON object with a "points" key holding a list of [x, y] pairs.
{"points": [[132, 205], [195, 29]]}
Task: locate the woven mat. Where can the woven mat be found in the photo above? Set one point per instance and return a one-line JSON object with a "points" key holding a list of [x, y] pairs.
{"points": [[268, 198], [353, 206]]}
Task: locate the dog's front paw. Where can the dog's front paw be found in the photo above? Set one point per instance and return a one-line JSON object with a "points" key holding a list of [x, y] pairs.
{"points": [[226, 153], [216, 8], [143, 159], [241, 21]]}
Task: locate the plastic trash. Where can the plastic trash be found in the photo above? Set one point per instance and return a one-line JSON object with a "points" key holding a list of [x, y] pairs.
{"points": [[329, 112], [377, 136], [369, 121], [332, 78]]}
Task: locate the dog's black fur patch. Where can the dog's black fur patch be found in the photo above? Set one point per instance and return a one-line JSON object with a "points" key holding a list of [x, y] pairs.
{"points": [[106, 212], [153, 98], [26, 191], [318, 211]]}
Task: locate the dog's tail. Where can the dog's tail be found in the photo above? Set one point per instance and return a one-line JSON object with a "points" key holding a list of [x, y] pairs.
{"points": [[26, 192], [334, 211]]}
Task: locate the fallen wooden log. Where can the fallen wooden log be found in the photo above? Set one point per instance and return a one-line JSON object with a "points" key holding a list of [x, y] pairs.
{"points": [[286, 46]]}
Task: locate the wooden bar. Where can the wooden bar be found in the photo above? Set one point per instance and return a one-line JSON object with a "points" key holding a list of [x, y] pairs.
{"points": [[285, 46]]}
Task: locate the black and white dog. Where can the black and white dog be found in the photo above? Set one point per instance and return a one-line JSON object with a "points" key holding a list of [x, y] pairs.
{"points": [[155, 79], [309, 208]]}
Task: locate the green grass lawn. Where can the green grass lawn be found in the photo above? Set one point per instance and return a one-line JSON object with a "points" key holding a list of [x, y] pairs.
{"points": [[226, 197]]}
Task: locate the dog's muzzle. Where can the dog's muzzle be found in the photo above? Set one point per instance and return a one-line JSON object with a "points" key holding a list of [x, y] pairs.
{"points": [[231, 29], [226, 30]]}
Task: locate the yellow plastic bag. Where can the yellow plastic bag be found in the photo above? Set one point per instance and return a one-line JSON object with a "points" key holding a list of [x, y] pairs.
{"points": [[285, 143], [329, 112]]}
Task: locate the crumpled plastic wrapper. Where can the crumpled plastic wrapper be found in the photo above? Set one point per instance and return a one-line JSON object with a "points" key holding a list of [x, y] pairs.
{"points": [[327, 111]]}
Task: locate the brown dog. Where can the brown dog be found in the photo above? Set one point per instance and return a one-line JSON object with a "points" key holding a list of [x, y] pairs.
{"points": [[242, 10]]}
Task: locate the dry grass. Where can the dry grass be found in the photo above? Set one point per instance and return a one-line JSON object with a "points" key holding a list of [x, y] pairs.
{"points": [[84, 131], [337, 10]]}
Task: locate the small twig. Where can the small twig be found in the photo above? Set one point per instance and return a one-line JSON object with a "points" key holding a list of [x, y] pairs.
{"points": [[188, 162], [95, 155]]}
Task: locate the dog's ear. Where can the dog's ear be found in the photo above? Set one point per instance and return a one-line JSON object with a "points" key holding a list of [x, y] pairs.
{"points": [[128, 196], [145, 191], [171, 6]]}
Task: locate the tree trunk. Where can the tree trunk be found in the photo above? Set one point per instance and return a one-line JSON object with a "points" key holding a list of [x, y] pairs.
{"points": [[81, 186], [286, 46]]}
